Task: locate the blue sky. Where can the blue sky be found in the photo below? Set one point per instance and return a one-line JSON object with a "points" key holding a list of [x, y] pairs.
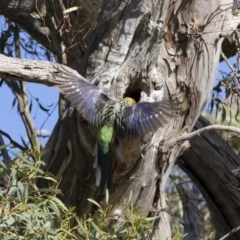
{"points": [[10, 120]]}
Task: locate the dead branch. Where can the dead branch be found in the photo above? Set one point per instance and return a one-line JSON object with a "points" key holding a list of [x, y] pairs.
{"points": [[170, 143]]}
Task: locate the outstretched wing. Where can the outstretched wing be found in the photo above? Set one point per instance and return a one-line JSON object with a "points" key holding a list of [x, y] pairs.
{"points": [[86, 97], [141, 118]]}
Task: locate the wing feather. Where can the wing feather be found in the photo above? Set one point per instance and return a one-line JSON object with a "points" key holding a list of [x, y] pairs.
{"points": [[141, 118], [86, 97]]}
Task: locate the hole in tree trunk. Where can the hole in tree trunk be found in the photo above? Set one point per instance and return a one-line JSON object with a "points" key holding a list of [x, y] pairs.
{"points": [[134, 93]]}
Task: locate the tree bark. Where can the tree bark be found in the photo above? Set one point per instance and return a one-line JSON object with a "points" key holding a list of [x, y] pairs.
{"points": [[214, 167], [148, 50]]}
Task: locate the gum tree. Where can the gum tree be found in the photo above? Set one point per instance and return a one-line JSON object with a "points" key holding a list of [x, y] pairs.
{"points": [[148, 50]]}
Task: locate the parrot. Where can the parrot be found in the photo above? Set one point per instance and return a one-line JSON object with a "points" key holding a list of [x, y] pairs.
{"points": [[114, 119]]}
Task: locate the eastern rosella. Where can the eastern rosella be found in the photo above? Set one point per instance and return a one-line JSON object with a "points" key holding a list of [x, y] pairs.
{"points": [[114, 119]]}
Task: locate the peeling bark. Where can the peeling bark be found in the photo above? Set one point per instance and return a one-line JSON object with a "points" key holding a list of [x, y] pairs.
{"points": [[148, 50]]}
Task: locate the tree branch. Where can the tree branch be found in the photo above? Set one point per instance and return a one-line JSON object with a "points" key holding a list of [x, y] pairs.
{"points": [[31, 15], [171, 142], [14, 143], [20, 92], [33, 71], [25, 114], [213, 166], [230, 233]]}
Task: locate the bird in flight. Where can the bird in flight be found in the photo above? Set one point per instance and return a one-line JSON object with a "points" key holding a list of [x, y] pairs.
{"points": [[114, 119]]}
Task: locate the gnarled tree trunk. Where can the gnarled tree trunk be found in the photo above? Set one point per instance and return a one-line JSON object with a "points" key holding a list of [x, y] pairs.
{"points": [[214, 167], [160, 50]]}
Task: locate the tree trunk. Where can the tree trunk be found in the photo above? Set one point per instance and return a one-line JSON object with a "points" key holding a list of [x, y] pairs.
{"points": [[214, 167], [148, 50]]}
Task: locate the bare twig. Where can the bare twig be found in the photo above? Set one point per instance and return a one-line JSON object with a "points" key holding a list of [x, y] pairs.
{"points": [[228, 63], [20, 92], [230, 233], [24, 110], [170, 143], [14, 143]]}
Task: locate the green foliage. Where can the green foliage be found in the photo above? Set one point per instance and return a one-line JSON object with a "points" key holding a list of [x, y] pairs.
{"points": [[30, 212], [109, 223]]}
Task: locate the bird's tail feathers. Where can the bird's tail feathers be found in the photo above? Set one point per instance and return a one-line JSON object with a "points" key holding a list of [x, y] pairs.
{"points": [[103, 164]]}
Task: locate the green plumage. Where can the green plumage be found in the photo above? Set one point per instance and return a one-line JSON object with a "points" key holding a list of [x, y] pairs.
{"points": [[116, 120], [111, 113], [105, 137]]}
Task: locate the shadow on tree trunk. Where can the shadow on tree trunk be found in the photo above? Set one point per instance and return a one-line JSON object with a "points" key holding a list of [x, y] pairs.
{"points": [[213, 166]]}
